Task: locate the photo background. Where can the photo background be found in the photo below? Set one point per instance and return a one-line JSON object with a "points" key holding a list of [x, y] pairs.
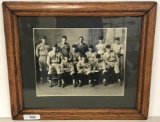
{"points": [[90, 35]]}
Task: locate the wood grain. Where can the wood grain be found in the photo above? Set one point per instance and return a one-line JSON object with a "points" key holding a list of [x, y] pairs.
{"points": [[79, 6], [148, 59], [147, 10], [113, 14], [141, 62], [18, 63], [88, 114], [10, 50]]}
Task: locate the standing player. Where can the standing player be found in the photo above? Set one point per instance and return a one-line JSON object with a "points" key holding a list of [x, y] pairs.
{"points": [[84, 69], [81, 46], [100, 47], [64, 47], [111, 58], [100, 70], [76, 56], [117, 46], [42, 50], [119, 49], [67, 68], [53, 60]]}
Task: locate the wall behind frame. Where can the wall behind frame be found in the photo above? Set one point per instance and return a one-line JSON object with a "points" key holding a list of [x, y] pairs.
{"points": [[154, 109]]}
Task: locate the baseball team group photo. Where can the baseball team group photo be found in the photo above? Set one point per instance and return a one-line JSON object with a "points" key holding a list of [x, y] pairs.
{"points": [[80, 61]]}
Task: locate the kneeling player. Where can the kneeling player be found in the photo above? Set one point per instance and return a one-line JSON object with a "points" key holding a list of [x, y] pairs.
{"points": [[84, 68], [67, 68], [100, 70]]}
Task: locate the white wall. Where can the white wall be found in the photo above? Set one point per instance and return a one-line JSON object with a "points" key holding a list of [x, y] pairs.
{"points": [[154, 109]]}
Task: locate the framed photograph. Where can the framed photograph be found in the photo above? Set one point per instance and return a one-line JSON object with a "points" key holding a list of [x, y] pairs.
{"points": [[79, 60]]}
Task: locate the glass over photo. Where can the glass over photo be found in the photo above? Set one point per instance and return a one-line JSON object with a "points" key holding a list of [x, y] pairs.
{"points": [[80, 61]]}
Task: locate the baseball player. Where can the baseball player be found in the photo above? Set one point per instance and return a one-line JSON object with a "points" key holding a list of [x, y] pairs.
{"points": [[91, 55], [117, 46], [84, 68], [119, 49], [100, 70], [81, 46], [111, 58], [76, 56], [53, 60], [67, 68], [64, 47], [42, 50], [100, 47]]}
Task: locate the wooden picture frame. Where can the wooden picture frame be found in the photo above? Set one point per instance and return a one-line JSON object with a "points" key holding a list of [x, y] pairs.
{"points": [[147, 10]]}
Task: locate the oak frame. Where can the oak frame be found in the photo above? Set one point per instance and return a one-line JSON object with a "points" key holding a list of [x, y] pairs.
{"points": [[147, 10]]}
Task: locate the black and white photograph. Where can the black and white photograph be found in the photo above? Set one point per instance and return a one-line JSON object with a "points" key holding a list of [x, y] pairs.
{"points": [[80, 61]]}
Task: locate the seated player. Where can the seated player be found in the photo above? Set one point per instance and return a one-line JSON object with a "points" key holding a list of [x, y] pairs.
{"points": [[111, 58], [91, 54], [100, 70], [53, 61], [67, 68], [84, 69]]}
